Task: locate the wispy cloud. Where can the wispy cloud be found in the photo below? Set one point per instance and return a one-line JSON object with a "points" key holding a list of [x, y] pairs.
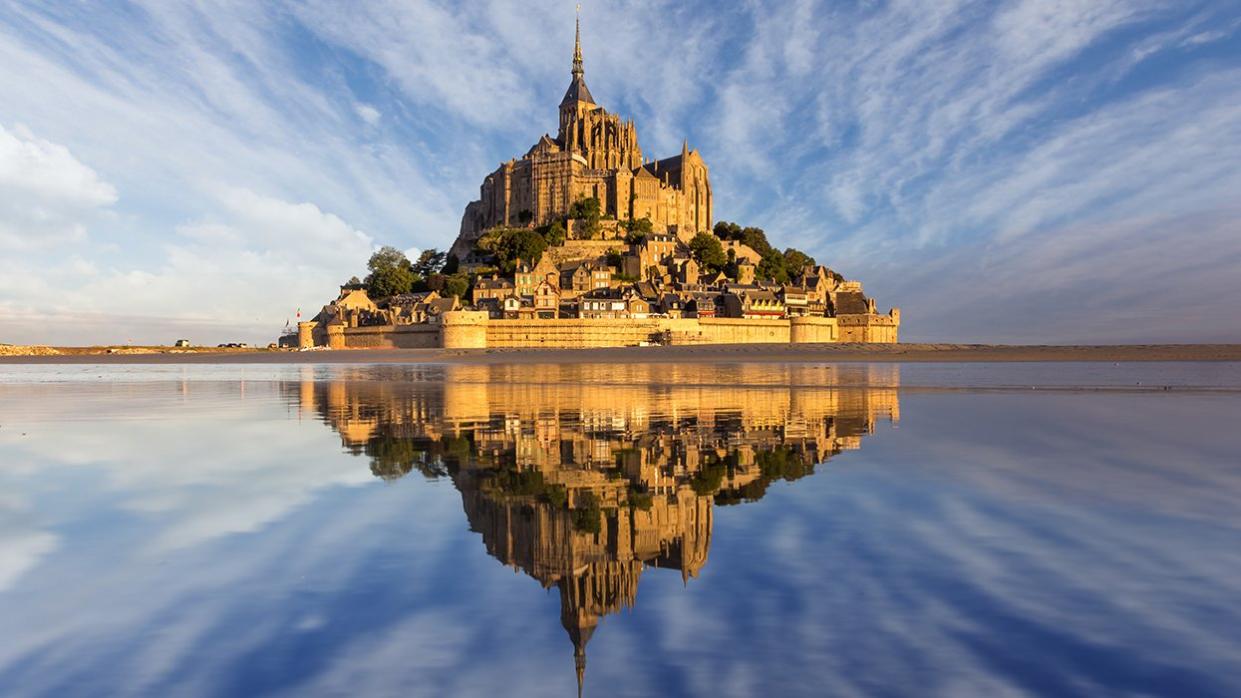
{"points": [[882, 137], [47, 197]]}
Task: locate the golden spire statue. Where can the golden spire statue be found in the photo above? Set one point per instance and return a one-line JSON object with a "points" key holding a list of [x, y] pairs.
{"points": [[577, 46]]}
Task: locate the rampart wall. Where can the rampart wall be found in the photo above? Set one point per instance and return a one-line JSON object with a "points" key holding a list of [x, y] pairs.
{"points": [[475, 330]]}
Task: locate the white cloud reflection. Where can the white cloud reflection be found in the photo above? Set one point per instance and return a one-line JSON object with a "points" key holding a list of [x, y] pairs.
{"points": [[1007, 544]]}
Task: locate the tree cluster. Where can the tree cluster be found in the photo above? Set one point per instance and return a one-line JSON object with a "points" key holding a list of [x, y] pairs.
{"points": [[638, 229], [589, 211], [511, 246], [391, 273], [774, 265], [708, 252]]}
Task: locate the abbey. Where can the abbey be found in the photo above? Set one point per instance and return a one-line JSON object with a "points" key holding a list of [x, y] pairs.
{"points": [[595, 154], [584, 242]]}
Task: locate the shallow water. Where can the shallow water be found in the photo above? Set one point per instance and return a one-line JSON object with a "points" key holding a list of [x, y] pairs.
{"points": [[1023, 529]]}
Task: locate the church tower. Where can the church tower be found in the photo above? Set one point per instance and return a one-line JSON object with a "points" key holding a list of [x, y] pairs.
{"points": [[586, 129], [577, 99]]}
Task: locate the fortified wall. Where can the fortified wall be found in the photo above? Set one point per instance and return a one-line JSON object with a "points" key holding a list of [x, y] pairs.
{"points": [[468, 329]]}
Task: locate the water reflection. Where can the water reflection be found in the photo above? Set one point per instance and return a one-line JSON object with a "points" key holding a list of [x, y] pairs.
{"points": [[582, 482], [306, 530]]}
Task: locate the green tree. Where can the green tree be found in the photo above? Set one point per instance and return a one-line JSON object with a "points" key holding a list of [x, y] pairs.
{"points": [[725, 230], [451, 264], [772, 267], [730, 267], [509, 245], [708, 251], [638, 230], [430, 262], [795, 261], [554, 233], [588, 518], [756, 240], [527, 246], [434, 282], [456, 285], [588, 210], [391, 273]]}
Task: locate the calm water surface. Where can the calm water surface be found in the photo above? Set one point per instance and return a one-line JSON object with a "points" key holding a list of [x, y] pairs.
{"points": [[1067, 529]]}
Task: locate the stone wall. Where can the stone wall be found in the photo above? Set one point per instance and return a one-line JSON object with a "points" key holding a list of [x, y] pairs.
{"points": [[392, 337], [467, 329], [571, 332], [728, 331], [870, 327]]}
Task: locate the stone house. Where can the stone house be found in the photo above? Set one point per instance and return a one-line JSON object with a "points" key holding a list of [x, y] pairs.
{"points": [[636, 306], [683, 270], [745, 271], [546, 300], [795, 299], [700, 305], [584, 277], [527, 277], [409, 308], [673, 304], [493, 287], [603, 304], [752, 304], [435, 309]]}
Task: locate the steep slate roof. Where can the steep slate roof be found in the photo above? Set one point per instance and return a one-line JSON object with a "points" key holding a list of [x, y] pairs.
{"points": [[644, 172], [851, 303], [668, 166], [493, 283], [577, 92]]}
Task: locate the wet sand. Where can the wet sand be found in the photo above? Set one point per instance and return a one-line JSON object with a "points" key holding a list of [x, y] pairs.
{"points": [[797, 353]]}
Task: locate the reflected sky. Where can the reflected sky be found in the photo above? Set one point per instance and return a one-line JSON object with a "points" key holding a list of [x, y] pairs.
{"points": [[696, 530]]}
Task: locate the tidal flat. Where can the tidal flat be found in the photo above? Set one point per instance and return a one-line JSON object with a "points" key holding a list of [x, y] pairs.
{"points": [[632, 529]]}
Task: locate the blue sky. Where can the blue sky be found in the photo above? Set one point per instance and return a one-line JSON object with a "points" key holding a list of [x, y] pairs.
{"points": [[1019, 171]]}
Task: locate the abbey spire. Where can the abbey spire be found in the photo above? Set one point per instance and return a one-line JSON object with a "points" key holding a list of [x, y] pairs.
{"points": [[577, 92], [578, 72]]}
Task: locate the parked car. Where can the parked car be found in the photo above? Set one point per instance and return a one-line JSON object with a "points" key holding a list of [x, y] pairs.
{"points": [[182, 343]]}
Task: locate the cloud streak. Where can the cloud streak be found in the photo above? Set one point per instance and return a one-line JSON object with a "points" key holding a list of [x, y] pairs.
{"points": [[889, 139]]}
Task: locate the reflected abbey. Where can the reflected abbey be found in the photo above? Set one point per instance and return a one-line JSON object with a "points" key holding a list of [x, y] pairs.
{"points": [[582, 477]]}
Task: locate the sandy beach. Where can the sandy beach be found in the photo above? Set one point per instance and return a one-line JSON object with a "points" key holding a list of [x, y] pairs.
{"points": [[797, 353]]}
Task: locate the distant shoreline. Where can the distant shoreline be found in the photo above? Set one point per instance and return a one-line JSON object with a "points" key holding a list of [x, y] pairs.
{"points": [[778, 353]]}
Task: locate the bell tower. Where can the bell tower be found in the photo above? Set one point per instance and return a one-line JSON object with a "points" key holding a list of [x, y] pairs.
{"points": [[577, 99]]}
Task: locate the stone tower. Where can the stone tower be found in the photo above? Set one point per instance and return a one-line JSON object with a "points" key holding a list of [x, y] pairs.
{"points": [[595, 154]]}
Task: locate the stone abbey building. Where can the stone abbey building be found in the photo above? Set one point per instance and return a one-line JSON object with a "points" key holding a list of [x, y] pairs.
{"points": [[595, 154], [618, 264]]}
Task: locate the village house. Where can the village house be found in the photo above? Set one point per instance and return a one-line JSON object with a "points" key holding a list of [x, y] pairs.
{"points": [[636, 306], [683, 270], [409, 308], [435, 309], [701, 305], [752, 304], [603, 304], [745, 271], [586, 276], [527, 278], [546, 300], [796, 300], [493, 287]]}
